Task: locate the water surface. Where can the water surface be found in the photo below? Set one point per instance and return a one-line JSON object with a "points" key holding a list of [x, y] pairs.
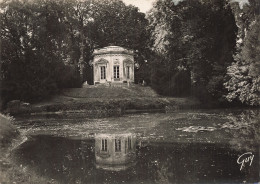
{"points": [[200, 146]]}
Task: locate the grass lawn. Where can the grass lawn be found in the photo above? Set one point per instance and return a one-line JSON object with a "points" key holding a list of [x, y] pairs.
{"points": [[102, 98]]}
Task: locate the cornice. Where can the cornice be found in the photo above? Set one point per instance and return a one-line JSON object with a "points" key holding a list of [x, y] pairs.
{"points": [[118, 54]]}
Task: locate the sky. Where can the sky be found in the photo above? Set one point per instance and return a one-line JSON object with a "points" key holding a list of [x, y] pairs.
{"points": [[145, 5], [241, 2]]}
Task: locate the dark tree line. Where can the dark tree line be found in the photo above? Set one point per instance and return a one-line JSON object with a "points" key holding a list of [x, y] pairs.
{"points": [[33, 50], [215, 43], [197, 41]]}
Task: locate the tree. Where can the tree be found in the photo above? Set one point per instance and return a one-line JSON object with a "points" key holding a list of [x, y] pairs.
{"points": [[244, 82], [33, 35], [196, 36]]}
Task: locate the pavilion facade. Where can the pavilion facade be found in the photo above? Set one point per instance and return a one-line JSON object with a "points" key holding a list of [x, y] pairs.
{"points": [[113, 64]]}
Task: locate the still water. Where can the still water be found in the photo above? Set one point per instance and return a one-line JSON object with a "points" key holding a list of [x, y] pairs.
{"points": [[201, 146]]}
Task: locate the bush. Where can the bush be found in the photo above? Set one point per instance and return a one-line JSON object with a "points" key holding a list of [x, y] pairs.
{"points": [[70, 77], [175, 83], [30, 82], [180, 84]]}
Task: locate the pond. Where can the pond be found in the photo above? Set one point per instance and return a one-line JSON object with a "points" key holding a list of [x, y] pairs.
{"points": [[199, 146]]}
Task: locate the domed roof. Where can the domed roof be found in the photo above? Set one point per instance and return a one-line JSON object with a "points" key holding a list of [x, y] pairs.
{"points": [[112, 50], [113, 46]]}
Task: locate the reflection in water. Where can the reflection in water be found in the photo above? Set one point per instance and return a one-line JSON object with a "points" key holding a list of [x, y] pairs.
{"points": [[115, 152], [105, 160], [245, 128]]}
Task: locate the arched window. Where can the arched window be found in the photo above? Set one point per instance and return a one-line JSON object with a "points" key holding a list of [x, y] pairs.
{"points": [[128, 72], [117, 145], [116, 72], [104, 145]]}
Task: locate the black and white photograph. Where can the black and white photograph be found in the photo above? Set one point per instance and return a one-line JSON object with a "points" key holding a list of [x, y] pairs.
{"points": [[129, 91]]}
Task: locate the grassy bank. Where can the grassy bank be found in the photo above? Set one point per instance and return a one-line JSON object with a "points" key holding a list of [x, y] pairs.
{"points": [[7, 131], [10, 172], [109, 101]]}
